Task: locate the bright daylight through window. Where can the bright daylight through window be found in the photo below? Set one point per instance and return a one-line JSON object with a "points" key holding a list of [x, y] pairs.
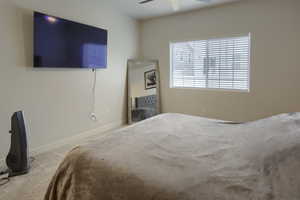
{"points": [[213, 64]]}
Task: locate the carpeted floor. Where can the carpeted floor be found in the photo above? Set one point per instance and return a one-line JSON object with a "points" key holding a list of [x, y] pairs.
{"points": [[33, 186]]}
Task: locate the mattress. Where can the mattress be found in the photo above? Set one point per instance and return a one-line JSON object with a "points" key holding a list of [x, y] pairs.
{"points": [[181, 157]]}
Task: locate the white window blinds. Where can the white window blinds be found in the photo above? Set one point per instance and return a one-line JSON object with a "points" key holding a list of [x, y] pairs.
{"points": [[215, 64]]}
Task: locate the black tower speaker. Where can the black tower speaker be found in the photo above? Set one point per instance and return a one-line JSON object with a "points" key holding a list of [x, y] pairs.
{"points": [[17, 158]]}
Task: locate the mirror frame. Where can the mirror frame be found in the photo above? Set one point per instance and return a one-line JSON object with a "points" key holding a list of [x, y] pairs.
{"points": [[129, 103]]}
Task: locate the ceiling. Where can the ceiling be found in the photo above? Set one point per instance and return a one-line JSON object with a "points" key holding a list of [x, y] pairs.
{"points": [[160, 7]]}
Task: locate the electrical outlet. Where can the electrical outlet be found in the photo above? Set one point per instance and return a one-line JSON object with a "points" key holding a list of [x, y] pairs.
{"points": [[93, 116]]}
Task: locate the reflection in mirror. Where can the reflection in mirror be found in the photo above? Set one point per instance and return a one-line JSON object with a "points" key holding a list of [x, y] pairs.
{"points": [[143, 90]]}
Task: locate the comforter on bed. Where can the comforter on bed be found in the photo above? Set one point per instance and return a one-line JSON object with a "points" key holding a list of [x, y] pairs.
{"points": [[180, 157]]}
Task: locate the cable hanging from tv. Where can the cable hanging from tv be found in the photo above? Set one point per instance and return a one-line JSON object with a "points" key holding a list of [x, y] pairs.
{"points": [[93, 115]]}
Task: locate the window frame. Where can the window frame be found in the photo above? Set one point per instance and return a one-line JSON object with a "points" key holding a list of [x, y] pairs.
{"points": [[171, 86]]}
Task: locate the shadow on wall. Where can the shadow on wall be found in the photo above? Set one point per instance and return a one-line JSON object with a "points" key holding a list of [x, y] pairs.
{"points": [[27, 28]]}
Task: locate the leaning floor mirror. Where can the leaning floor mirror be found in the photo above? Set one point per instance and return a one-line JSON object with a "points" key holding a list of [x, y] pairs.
{"points": [[143, 90]]}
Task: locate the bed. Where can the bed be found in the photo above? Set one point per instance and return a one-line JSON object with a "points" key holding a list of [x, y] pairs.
{"points": [[181, 157]]}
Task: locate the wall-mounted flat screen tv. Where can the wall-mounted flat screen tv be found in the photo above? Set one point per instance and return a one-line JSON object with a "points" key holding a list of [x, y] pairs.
{"points": [[60, 43]]}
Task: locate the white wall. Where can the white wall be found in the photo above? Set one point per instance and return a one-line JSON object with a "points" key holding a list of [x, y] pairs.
{"points": [[57, 102], [275, 64]]}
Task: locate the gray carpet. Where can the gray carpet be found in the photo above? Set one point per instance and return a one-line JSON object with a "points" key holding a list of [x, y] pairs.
{"points": [[33, 186]]}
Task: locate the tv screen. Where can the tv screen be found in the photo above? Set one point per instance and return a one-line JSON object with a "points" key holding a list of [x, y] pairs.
{"points": [[59, 43]]}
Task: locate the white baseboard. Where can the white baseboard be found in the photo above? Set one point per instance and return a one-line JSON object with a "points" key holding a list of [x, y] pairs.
{"points": [[77, 137], [80, 136]]}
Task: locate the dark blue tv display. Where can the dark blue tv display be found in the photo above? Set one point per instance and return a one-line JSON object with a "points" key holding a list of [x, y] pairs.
{"points": [[60, 43]]}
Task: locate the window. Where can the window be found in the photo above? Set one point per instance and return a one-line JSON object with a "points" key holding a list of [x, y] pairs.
{"points": [[214, 64]]}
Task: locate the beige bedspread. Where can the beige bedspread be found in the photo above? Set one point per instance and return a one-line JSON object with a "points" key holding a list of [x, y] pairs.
{"points": [[180, 157]]}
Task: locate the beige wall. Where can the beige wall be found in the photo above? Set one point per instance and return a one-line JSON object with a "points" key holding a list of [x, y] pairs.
{"points": [[275, 63], [57, 102]]}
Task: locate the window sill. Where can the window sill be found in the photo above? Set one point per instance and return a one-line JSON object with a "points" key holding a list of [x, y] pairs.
{"points": [[212, 89]]}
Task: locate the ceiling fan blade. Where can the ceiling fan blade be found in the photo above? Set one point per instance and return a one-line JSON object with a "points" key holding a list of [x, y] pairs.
{"points": [[175, 4], [204, 1], [145, 1]]}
